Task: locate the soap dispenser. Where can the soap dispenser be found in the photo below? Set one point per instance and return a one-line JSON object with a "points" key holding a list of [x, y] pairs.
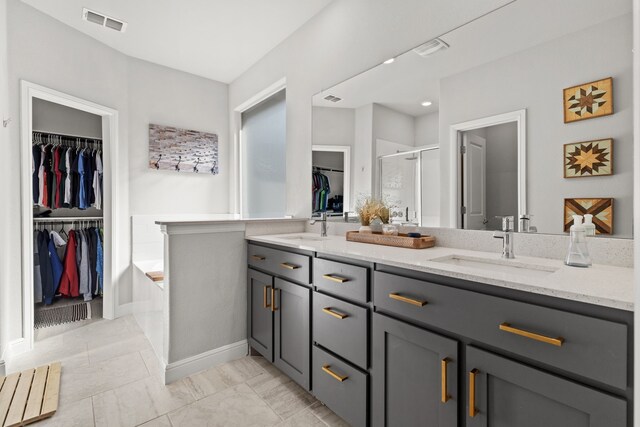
{"points": [[589, 226], [578, 255]]}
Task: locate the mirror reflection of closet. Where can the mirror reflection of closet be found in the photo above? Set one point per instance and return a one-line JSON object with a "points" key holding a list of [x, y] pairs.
{"points": [[331, 179]]}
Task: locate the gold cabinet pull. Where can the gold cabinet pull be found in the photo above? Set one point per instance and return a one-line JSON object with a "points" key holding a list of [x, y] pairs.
{"points": [[289, 266], [265, 303], [443, 366], [327, 369], [416, 302], [472, 393], [273, 299], [532, 335], [258, 257], [334, 278], [334, 313]]}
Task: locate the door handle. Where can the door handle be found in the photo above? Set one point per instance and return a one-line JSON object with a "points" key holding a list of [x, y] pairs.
{"points": [[265, 302], [258, 257], [506, 327], [289, 266], [334, 313], [327, 369], [416, 302], [334, 278], [273, 300], [443, 366], [472, 392]]}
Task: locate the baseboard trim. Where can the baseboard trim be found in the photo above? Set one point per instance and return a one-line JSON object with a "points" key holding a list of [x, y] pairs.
{"points": [[15, 348], [191, 365]]}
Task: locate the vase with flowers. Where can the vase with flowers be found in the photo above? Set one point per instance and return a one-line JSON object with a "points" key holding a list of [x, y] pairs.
{"points": [[370, 209]]}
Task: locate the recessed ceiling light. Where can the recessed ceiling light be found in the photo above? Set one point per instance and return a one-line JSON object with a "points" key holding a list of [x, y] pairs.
{"points": [[426, 103], [389, 61]]}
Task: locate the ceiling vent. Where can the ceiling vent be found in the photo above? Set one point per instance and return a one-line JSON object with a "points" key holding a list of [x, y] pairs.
{"points": [[103, 20], [332, 98], [430, 47]]}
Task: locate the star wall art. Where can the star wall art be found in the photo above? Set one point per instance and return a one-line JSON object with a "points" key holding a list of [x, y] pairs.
{"points": [[589, 100], [589, 158], [601, 209]]}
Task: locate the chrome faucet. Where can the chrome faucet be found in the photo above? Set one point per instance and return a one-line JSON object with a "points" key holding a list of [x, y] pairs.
{"points": [[507, 236], [323, 223], [525, 224]]}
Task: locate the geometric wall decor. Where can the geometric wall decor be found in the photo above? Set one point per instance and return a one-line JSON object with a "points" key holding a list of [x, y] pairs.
{"points": [[588, 100], [182, 150], [589, 158], [601, 209]]}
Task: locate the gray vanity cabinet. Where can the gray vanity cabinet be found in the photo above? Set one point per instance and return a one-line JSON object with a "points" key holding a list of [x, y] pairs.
{"points": [[260, 317], [505, 393], [291, 329], [415, 381]]}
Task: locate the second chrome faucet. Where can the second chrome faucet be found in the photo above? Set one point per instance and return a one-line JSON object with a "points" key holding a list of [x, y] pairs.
{"points": [[507, 236]]}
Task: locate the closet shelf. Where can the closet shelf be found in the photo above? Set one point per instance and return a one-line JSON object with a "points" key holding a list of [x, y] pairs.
{"points": [[64, 135], [68, 218]]}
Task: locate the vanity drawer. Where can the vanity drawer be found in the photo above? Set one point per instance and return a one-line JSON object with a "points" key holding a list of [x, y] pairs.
{"points": [[343, 280], [587, 346], [341, 327], [285, 264], [341, 387]]}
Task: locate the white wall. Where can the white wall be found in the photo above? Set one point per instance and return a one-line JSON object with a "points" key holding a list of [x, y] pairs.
{"points": [[46, 52], [56, 118], [427, 129], [346, 38], [495, 88], [5, 208], [362, 173], [502, 173], [393, 126], [334, 126]]}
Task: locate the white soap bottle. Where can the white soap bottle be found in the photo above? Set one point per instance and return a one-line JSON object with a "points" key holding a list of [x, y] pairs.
{"points": [[578, 255], [589, 226]]}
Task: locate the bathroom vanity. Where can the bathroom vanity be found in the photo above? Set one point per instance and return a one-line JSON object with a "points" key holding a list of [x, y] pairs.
{"points": [[448, 337]]}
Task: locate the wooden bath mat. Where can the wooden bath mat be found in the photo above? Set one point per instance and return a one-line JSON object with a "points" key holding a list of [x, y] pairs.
{"points": [[29, 396]]}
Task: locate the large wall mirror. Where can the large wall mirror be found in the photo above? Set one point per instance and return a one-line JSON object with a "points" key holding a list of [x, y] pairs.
{"points": [[525, 112]]}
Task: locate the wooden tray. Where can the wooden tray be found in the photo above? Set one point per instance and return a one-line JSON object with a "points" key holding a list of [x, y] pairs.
{"points": [[399, 241]]}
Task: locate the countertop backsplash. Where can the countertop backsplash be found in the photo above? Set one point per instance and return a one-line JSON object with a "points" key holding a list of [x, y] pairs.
{"points": [[603, 250]]}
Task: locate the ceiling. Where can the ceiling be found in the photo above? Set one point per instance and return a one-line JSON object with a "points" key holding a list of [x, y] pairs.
{"points": [[217, 39], [523, 24]]}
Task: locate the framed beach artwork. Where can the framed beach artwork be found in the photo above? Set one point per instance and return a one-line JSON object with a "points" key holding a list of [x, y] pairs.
{"points": [[182, 150], [600, 208], [588, 158], [588, 100]]}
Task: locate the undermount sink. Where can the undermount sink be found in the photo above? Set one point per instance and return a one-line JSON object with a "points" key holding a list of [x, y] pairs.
{"points": [[498, 265], [305, 237]]}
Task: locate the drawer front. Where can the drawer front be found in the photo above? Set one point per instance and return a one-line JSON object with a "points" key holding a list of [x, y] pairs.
{"points": [[339, 279], [341, 387], [341, 327], [292, 266], [590, 347]]}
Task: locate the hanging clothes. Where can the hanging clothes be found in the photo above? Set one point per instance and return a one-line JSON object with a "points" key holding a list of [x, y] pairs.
{"points": [[46, 272], [320, 191], [99, 261], [70, 283], [37, 275]]}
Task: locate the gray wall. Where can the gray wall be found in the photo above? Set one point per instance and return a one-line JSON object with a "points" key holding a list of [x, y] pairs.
{"points": [[346, 38], [502, 173], [427, 129], [56, 118], [80, 66], [393, 126], [512, 83]]}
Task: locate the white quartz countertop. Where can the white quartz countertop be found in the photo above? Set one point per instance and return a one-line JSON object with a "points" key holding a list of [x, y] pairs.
{"points": [[602, 285], [220, 219]]}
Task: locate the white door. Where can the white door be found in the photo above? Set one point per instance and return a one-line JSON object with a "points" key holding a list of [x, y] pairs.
{"points": [[474, 179]]}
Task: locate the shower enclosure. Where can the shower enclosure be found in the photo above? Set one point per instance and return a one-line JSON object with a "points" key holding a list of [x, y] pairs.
{"points": [[410, 182]]}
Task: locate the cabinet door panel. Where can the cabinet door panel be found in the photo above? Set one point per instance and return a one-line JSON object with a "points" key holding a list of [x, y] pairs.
{"points": [[291, 327], [409, 377], [509, 393], [260, 317]]}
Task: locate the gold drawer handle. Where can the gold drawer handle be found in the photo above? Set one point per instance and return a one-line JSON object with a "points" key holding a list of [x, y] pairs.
{"points": [[265, 303], [334, 313], [258, 257], [273, 299], [416, 302], [472, 393], [443, 366], [334, 278], [542, 338], [327, 369], [289, 266]]}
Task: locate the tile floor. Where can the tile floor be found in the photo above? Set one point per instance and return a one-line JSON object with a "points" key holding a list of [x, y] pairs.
{"points": [[110, 377]]}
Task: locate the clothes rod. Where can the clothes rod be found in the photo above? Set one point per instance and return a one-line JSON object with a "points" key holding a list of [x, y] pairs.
{"points": [[326, 169], [68, 218], [63, 135]]}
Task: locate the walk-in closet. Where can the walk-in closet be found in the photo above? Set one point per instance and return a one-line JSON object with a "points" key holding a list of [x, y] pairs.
{"points": [[68, 230], [330, 180]]}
